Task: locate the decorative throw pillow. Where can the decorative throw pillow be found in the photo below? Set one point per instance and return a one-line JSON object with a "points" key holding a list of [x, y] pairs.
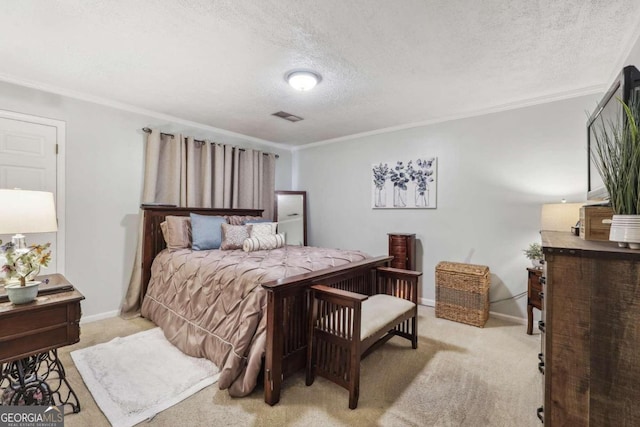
{"points": [[272, 241], [263, 229], [248, 219], [163, 228], [242, 219], [256, 221], [233, 236], [177, 232], [207, 233]]}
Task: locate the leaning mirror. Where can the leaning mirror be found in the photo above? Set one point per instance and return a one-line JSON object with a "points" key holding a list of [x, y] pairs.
{"points": [[291, 214]]}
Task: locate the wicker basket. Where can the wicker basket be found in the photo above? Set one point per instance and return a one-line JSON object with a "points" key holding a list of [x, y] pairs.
{"points": [[462, 292]]}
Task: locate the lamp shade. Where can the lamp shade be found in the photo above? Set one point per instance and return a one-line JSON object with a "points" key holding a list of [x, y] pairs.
{"points": [[560, 216], [23, 211]]}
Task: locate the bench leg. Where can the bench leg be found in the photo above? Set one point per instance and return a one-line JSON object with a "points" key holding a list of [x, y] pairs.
{"points": [[311, 372], [414, 329], [354, 372], [310, 377], [354, 384]]}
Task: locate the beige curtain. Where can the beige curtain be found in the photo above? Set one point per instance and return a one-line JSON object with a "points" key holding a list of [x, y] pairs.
{"points": [[188, 173]]}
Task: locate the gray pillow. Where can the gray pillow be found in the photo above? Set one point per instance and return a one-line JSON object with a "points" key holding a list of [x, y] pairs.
{"points": [[206, 231]]}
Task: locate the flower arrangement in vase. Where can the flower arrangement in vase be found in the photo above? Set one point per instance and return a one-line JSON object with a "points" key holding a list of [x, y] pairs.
{"points": [[380, 173], [422, 175], [23, 265], [398, 175]]}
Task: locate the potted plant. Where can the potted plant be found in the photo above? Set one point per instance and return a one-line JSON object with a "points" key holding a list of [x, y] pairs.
{"points": [[23, 266], [534, 253], [616, 155]]}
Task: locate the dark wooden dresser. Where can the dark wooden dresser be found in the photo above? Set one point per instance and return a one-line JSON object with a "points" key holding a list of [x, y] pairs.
{"points": [[402, 246], [591, 332]]}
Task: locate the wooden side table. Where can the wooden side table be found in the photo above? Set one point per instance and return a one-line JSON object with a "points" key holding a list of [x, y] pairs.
{"points": [[30, 334], [534, 292]]}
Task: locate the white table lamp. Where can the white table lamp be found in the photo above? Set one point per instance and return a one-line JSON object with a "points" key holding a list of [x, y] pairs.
{"points": [[23, 211], [559, 216]]}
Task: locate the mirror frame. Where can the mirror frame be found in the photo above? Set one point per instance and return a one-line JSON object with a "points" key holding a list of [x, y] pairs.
{"points": [[304, 209]]}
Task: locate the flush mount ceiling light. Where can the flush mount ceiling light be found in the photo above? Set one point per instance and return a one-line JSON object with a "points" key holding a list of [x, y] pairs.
{"points": [[302, 80]]}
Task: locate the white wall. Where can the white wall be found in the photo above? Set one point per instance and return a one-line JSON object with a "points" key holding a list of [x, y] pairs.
{"points": [[104, 169], [634, 56], [494, 173]]}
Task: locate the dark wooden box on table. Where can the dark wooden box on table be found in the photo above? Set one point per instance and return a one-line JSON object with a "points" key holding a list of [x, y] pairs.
{"points": [[591, 226]]}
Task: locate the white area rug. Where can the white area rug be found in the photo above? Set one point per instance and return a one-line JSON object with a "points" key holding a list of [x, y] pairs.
{"points": [[135, 377]]}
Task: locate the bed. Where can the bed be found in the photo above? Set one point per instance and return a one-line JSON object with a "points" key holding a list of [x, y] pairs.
{"points": [[247, 312]]}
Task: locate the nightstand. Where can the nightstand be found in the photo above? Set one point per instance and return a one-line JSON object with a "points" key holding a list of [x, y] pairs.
{"points": [[30, 334], [534, 295]]}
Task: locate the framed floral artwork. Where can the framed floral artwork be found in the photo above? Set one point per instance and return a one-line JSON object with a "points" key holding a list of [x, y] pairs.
{"points": [[405, 185]]}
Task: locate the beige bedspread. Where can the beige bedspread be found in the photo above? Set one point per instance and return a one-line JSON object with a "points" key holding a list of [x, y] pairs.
{"points": [[209, 303]]}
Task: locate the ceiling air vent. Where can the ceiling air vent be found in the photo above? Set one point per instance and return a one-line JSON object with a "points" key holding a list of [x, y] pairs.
{"points": [[287, 116]]}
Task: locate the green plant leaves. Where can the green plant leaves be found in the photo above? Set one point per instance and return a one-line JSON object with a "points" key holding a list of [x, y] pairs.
{"points": [[616, 155]]}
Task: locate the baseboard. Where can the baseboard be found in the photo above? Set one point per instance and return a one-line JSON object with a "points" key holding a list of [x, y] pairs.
{"points": [[508, 318], [99, 316], [519, 320], [423, 301], [428, 302]]}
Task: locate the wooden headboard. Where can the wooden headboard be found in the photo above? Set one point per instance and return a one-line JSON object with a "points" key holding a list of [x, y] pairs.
{"points": [[153, 241]]}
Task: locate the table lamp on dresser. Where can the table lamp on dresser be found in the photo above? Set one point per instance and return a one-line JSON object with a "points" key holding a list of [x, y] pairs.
{"points": [[559, 216], [23, 211]]}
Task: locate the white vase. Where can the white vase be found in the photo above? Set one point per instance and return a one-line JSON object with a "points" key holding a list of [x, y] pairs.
{"points": [[22, 294], [380, 198], [625, 229], [421, 198], [537, 263], [399, 197]]}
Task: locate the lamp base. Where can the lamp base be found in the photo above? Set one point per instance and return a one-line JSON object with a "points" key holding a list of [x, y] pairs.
{"points": [[18, 241]]}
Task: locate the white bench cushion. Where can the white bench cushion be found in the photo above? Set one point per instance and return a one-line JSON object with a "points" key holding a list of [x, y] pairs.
{"points": [[378, 310]]}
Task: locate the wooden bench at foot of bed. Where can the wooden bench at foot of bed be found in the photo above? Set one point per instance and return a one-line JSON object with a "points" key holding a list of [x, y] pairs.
{"points": [[288, 302], [344, 327]]}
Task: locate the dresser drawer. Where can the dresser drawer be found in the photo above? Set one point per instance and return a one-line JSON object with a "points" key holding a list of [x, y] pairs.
{"points": [[25, 332], [32, 321]]}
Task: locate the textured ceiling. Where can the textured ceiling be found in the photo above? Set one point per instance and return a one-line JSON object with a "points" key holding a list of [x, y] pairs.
{"points": [[384, 63]]}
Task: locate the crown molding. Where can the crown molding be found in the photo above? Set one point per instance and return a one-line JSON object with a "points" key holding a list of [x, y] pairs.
{"points": [[150, 113], [133, 109], [545, 99]]}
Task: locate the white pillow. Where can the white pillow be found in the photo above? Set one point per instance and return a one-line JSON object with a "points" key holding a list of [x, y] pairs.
{"points": [[263, 229], [271, 241]]}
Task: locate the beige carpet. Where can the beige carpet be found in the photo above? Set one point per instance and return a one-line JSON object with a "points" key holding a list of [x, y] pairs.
{"points": [[459, 376]]}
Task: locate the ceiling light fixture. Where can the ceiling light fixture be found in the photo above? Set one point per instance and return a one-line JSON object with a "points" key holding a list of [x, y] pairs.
{"points": [[302, 80]]}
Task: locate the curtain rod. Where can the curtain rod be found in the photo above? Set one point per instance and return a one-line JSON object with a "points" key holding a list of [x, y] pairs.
{"points": [[147, 130]]}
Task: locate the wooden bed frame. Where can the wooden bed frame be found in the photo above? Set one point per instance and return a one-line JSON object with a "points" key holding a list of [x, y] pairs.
{"points": [[287, 299]]}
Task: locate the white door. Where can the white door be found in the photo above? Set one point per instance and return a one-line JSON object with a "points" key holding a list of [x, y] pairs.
{"points": [[28, 161]]}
